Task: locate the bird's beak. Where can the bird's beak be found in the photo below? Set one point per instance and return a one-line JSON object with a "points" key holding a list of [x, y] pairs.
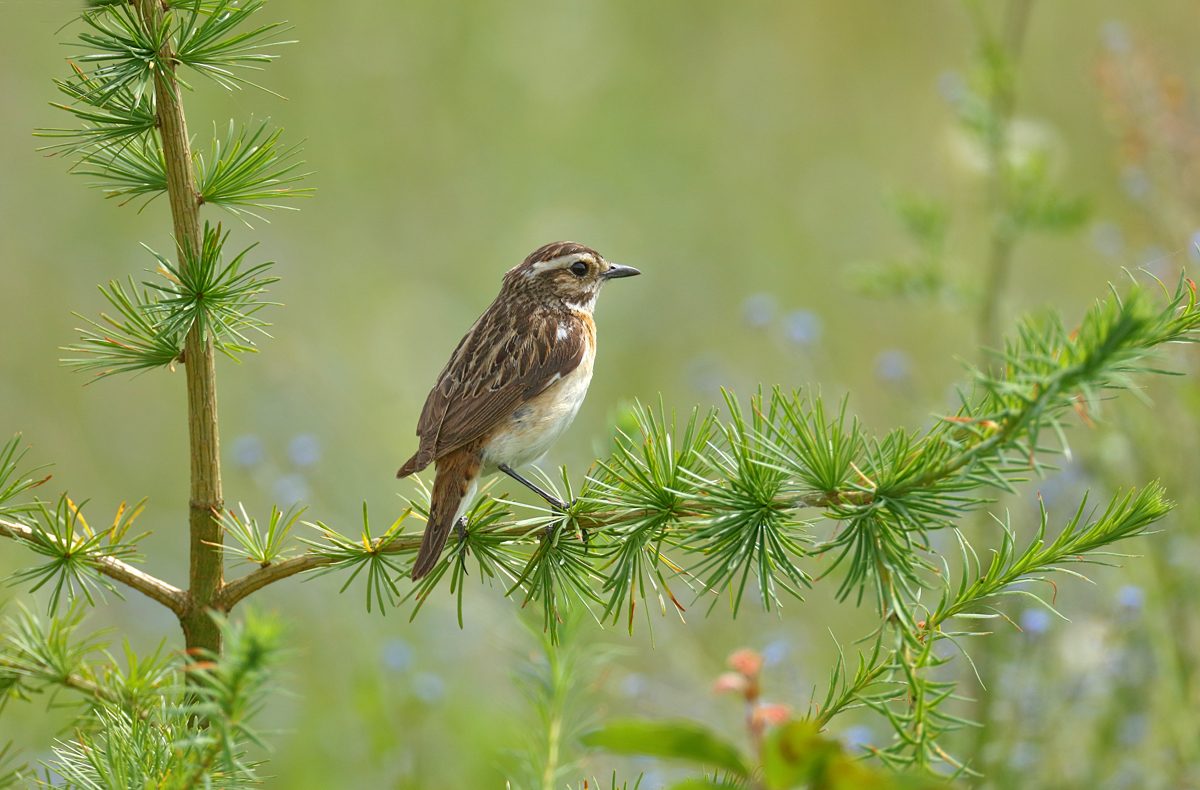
{"points": [[617, 270]]}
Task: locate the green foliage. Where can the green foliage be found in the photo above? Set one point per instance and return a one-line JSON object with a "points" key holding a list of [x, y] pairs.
{"points": [[612, 786], [246, 170], [797, 755], [129, 751], [495, 558], [716, 504], [124, 51], [37, 655], [112, 98], [1079, 541], [145, 726], [14, 483], [558, 574], [730, 494], [793, 755], [922, 273], [917, 717], [845, 692], [10, 775], [132, 167], [208, 44], [164, 720], [132, 344], [750, 530], [73, 550], [229, 692], [676, 740], [219, 298], [556, 681], [651, 481], [104, 116], [254, 545], [369, 553], [818, 453]]}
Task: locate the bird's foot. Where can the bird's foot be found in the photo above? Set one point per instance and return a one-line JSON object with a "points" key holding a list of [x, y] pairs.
{"points": [[562, 507]]}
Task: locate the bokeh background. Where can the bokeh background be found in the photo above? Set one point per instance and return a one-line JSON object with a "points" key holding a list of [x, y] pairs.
{"points": [[747, 157]]}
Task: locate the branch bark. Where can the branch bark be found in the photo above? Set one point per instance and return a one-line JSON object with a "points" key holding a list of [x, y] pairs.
{"points": [[171, 597], [207, 567]]}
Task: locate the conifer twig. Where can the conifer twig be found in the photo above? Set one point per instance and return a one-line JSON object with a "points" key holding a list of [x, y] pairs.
{"points": [[233, 592], [169, 596]]}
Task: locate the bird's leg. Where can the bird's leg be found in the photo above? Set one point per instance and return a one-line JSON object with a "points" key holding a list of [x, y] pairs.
{"points": [[552, 500]]}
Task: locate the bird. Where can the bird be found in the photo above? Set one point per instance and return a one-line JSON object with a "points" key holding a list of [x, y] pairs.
{"points": [[512, 386]]}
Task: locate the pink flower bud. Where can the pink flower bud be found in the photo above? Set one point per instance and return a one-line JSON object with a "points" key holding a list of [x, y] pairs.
{"points": [[746, 661], [731, 681], [772, 713]]}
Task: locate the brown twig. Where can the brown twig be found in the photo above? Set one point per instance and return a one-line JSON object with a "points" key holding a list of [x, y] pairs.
{"points": [[171, 597]]}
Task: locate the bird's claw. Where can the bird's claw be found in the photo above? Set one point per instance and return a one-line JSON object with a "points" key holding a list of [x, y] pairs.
{"points": [[561, 506]]}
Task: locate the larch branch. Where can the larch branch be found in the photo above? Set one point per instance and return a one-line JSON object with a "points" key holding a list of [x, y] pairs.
{"points": [[169, 596], [236, 590], [233, 592]]}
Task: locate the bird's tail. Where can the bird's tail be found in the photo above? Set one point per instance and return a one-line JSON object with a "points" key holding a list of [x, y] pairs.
{"points": [[456, 478]]}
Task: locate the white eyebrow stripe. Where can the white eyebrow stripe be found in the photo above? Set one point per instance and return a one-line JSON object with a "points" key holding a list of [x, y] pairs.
{"points": [[561, 262]]}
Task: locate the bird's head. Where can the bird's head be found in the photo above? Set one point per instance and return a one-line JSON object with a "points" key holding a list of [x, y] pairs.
{"points": [[564, 272]]}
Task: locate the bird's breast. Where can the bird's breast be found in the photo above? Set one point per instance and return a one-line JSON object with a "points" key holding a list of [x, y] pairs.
{"points": [[539, 422]]}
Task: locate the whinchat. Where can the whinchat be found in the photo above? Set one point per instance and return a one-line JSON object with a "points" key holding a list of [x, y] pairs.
{"points": [[512, 386]]}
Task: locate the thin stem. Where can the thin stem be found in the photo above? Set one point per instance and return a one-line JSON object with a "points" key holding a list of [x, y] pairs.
{"points": [[554, 738], [233, 592], [207, 569], [173, 598], [1003, 99]]}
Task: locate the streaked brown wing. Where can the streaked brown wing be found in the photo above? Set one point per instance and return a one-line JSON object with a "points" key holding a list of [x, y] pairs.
{"points": [[504, 360]]}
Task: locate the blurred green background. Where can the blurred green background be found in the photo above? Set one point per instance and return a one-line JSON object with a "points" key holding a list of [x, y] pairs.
{"points": [[745, 156]]}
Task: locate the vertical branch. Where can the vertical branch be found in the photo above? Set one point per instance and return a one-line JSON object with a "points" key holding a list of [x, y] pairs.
{"points": [[554, 738], [207, 570], [1000, 54]]}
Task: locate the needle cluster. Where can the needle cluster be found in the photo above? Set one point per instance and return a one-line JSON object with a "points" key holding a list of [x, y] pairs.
{"points": [[111, 95], [155, 722]]}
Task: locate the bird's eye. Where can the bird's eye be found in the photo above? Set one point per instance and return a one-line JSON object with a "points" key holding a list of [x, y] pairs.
{"points": [[579, 268]]}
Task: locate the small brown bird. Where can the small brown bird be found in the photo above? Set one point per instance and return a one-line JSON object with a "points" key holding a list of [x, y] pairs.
{"points": [[513, 385]]}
